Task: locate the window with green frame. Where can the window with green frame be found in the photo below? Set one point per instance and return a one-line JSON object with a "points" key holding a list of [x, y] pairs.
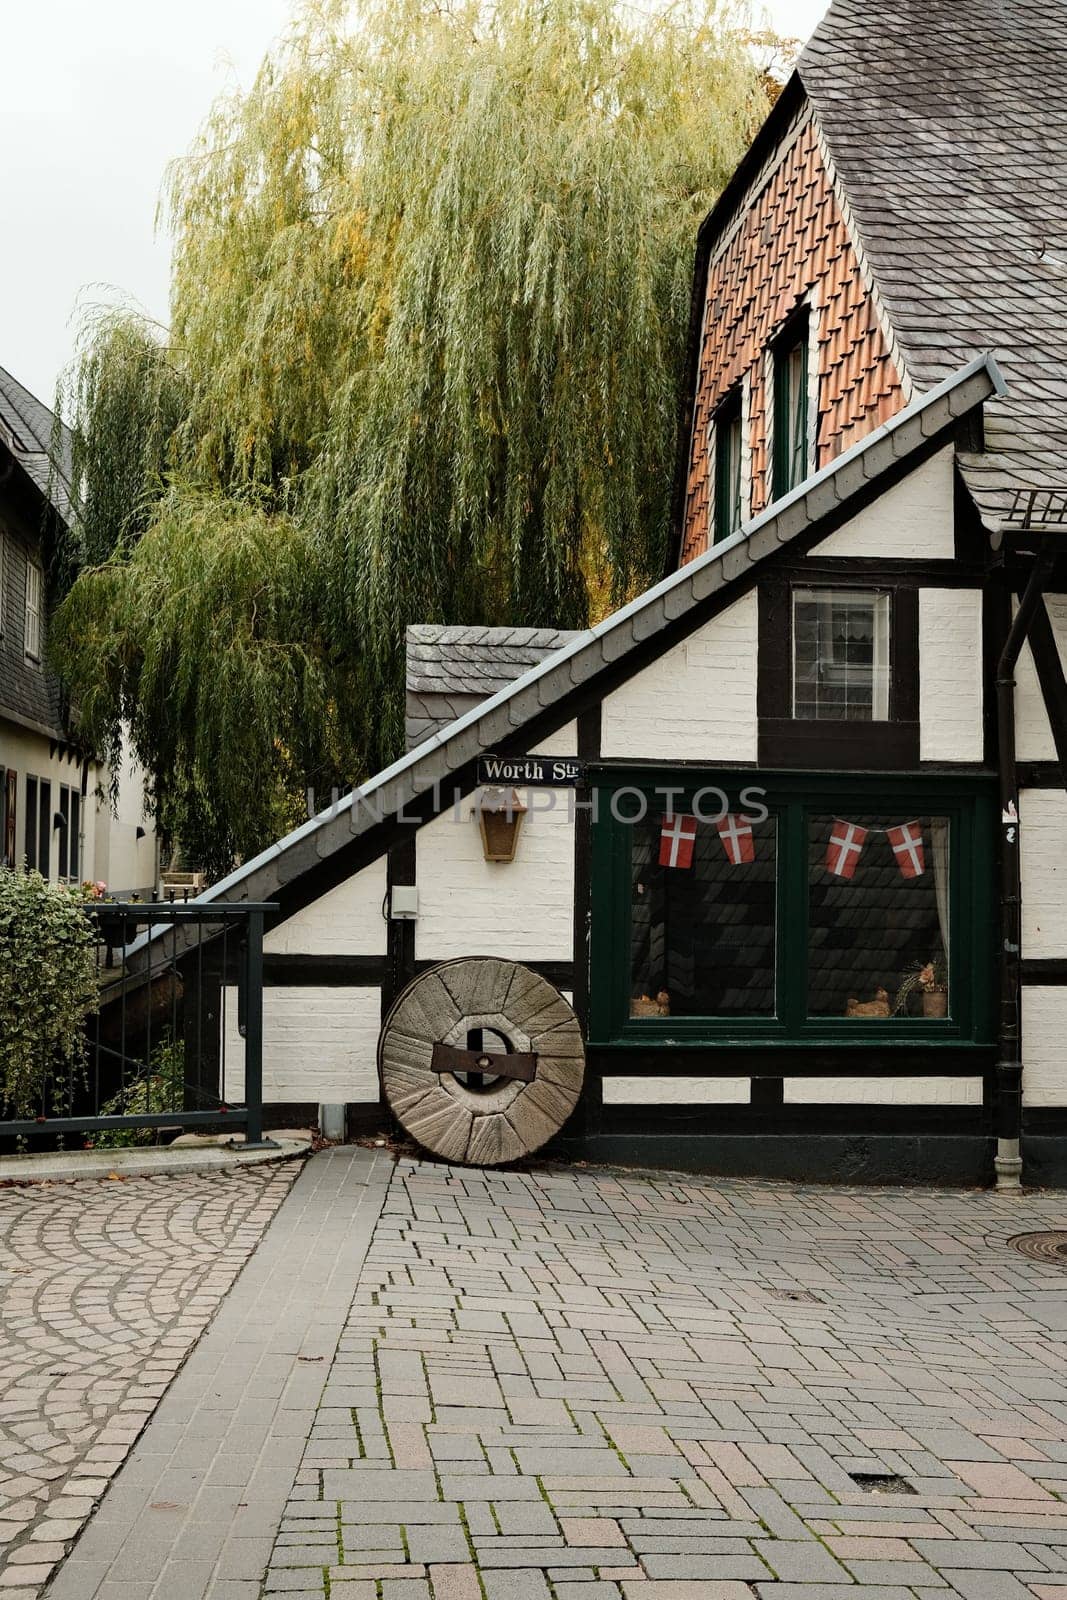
{"points": [[792, 462], [728, 438], [855, 910]]}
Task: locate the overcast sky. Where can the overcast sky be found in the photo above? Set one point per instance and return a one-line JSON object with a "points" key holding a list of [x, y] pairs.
{"points": [[95, 99]]}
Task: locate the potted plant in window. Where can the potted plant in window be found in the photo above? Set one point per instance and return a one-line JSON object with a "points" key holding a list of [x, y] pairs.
{"points": [[931, 983]]}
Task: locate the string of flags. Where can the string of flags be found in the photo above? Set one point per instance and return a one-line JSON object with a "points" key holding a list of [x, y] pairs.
{"points": [[678, 834]]}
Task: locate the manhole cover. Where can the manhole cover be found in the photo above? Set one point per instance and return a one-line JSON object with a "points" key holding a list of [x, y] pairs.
{"points": [[798, 1296], [881, 1483], [1042, 1246]]}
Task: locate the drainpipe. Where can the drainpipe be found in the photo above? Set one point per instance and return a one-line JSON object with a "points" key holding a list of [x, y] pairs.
{"points": [[1008, 1161]]}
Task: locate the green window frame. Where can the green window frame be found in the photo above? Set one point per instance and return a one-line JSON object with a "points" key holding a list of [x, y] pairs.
{"points": [[792, 800], [792, 454], [728, 448]]}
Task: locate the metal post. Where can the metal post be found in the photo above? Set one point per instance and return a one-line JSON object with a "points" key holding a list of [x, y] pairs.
{"points": [[253, 1031]]}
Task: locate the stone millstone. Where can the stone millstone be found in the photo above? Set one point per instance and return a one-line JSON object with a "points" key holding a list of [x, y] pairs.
{"points": [[506, 1119]]}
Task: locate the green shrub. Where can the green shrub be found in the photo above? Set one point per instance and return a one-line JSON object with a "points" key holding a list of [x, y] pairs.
{"points": [[47, 987], [158, 1087]]}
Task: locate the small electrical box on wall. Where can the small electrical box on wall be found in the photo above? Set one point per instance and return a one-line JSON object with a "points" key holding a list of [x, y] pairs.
{"points": [[404, 902]]}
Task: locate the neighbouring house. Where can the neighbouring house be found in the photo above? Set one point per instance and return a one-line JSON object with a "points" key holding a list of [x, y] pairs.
{"points": [[825, 878], [54, 812]]}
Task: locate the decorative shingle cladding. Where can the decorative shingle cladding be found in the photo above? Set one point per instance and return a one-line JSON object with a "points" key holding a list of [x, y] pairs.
{"points": [[790, 244]]}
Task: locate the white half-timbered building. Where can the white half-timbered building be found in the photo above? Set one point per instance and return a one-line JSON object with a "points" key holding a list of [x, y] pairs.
{"points": [[805, 886]]}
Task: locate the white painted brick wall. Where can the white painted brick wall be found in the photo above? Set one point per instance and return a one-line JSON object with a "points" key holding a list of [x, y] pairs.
{"points": [[1044, 1046], [950, 674], [523, 909], [564, 742], [914, 518], [1033, 734], [648, 1091], [1043, 849], [319, 1045], [345, 921], [883, 1091], [696, 702]]}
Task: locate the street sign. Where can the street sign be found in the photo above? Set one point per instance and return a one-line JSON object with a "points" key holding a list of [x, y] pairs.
{"points": [[532, 771]]}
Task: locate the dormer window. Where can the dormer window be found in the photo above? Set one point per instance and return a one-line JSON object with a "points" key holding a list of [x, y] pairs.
{"points": [[728, 434], [792, 452]]}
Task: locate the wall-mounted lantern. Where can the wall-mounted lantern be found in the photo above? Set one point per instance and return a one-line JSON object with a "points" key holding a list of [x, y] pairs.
{"points": [[500, 813]]}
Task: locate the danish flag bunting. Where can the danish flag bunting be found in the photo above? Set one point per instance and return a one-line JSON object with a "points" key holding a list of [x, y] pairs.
{"points": [[907, 842], [843, 851], [736, 835], [677, 837]]}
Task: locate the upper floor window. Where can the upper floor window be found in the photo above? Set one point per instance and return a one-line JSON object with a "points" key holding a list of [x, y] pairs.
{"points": [[792, 455], [841, 655], [34, 591], [728, 437]]}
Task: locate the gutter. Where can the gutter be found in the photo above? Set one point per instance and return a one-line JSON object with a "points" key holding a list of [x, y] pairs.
{"points": [[1008, 1159]]}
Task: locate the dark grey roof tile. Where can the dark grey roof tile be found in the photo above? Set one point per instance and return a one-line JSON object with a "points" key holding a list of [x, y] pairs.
{"points": [[947, 124]]}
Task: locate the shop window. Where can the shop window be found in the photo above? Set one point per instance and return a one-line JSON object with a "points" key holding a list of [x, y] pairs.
{"points": [[34, 590], [702, 937], [792, 451], [878, 916], [841, 909], [728, 442], [841, 655]]}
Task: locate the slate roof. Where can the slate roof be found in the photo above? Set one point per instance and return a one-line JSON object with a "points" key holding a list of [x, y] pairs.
{"points": [[29, 692], [450, 669], [27, 428], [579, 662], [947, 123]]}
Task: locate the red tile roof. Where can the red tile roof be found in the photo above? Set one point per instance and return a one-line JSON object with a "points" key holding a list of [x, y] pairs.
{"points": [[792, 243]]}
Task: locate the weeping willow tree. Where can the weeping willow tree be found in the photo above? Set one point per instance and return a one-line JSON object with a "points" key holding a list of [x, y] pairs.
{"points": [[430, 292]]}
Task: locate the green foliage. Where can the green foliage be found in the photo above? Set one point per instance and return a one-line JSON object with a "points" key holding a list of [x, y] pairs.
{"points": [[204, 641], [47, 987], [159, 1087], [131, 396], [430, 296]]}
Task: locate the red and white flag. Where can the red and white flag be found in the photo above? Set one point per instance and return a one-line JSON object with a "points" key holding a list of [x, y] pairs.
{"points": [[677, 837], [736, 835], [843, 851], [907, 842]]}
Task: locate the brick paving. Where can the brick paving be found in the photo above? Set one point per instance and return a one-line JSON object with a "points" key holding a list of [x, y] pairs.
{"points": [[104, 1286], [572, 1384], [576, 1385]]}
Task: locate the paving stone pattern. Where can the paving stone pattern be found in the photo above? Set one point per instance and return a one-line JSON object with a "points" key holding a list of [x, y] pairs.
{"points": [[104, 1286], [576, 1385], [197, 1505]]}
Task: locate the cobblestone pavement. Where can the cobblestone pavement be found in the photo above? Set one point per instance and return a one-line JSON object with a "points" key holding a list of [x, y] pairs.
{"points": [[104, 1286], [575, 1385]]}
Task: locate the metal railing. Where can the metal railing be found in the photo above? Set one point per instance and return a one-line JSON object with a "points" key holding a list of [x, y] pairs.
{"points": [[180, 987]]}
